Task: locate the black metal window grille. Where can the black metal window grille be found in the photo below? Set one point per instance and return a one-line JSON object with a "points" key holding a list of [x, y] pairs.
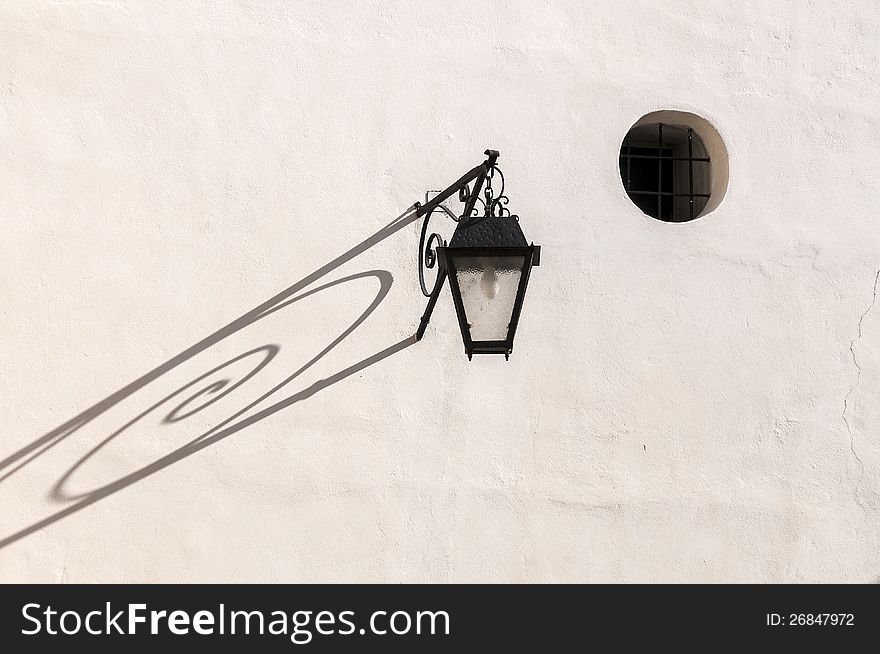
{"points": [[665, 171]]}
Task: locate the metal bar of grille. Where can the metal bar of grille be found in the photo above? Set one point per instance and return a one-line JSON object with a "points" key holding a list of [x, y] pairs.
{"points": [[670, 194], [666, 157], [660, 171], [691, 170], [628, 166]]}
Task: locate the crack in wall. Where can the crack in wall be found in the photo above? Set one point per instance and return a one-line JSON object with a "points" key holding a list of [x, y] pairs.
{"points": [[852, 351]]}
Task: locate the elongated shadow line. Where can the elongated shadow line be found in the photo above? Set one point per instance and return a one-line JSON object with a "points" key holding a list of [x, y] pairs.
{"points": [[33, 450]]}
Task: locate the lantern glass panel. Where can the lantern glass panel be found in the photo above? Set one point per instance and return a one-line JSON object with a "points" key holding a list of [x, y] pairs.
{"points": [[488, 288]]}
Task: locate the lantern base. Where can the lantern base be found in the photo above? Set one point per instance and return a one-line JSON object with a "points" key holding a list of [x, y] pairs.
{"points": [[488, 347]]}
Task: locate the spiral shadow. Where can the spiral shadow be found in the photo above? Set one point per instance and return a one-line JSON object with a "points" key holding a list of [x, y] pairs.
{"points": [[213, 391], [59, 492]]}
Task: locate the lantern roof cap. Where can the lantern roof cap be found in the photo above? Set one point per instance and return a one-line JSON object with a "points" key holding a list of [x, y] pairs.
{"points": [[489, 232]]}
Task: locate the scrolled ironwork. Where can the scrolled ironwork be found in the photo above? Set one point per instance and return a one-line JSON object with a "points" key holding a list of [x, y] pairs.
{"points": [[428, 253], [494, 205]]}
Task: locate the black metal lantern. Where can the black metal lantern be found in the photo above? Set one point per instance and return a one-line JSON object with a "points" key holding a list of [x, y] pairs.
{"points": [[487, 261]]}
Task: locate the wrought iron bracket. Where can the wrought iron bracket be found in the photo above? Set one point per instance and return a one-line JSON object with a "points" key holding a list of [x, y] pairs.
{"points": [[492, 205]]}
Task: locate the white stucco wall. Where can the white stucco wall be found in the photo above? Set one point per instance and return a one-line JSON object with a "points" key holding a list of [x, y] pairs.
{"points": [[686, 402]]}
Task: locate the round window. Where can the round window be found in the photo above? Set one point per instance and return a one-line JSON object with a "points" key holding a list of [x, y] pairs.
{"points": [[673, 166]]}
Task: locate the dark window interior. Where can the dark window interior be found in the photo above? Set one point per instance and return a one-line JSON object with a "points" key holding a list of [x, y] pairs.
{"points": [[665, 171]]}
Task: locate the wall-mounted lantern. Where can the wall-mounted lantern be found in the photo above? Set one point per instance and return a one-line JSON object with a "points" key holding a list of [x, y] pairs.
{"points": [[488, 262]]}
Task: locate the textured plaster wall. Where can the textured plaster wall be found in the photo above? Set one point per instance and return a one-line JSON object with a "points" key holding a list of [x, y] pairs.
{"points": [[184, 398]]}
